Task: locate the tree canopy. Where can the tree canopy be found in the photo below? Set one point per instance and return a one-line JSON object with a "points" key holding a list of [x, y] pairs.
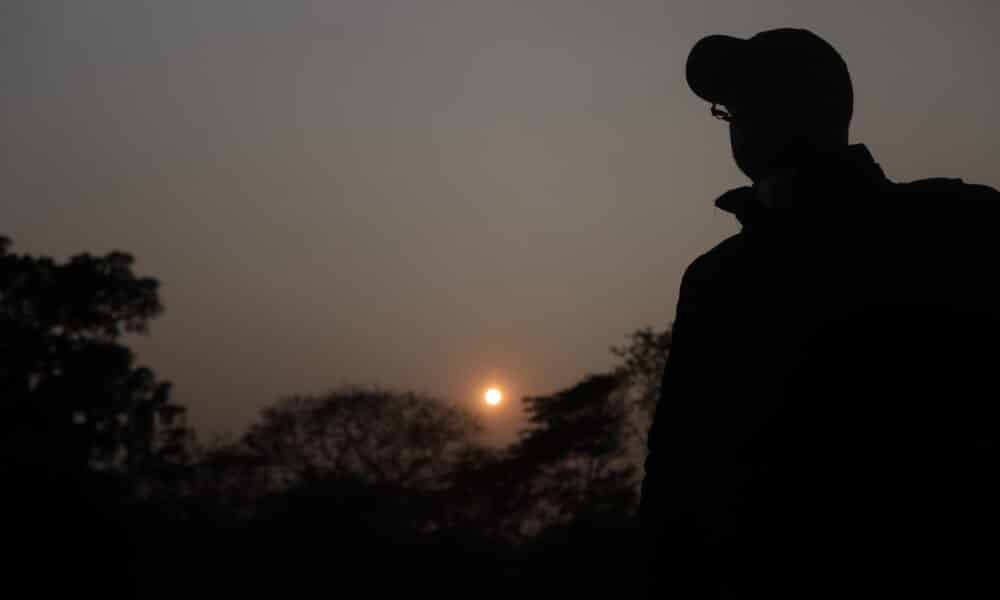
{"points": [[70, 390]]}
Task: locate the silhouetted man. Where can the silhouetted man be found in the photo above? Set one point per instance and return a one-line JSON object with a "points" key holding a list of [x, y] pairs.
{"points": [[827, 422]]}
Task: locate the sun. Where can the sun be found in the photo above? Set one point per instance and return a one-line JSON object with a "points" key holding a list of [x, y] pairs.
{"points": [[493, 396]]}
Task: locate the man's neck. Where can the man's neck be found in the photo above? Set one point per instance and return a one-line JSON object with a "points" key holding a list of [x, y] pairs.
{"points": [[771, 190], [852, 169], [776, 188]]}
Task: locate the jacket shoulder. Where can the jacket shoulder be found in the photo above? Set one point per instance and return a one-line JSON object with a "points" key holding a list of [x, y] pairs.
{"points": [[951, 187], [708, 264], [943, 204]]}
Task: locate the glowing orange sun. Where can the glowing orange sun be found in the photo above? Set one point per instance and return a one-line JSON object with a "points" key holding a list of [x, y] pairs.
{"points": [[493, 396]]}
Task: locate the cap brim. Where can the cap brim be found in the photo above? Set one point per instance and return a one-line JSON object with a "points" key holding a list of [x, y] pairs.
{"points": [[711, 66]]}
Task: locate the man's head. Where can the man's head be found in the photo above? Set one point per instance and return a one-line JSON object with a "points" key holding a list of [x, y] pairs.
{"points": [[786, 93]]}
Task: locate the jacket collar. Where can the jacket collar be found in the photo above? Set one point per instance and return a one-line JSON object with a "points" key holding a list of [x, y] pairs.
{"points": [[819, 180]]}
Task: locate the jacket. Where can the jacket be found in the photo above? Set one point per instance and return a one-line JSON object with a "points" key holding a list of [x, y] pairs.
{"points": [[831, 373]]}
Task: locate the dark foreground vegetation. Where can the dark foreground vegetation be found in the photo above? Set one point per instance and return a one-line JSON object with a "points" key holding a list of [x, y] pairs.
{"points": [[357, 490]]}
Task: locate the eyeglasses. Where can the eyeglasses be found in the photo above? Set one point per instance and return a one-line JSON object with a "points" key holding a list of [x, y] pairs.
{"points": [[749, 112], [722, 113]]}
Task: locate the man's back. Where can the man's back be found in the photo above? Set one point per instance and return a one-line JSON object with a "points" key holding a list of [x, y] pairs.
{"points": [[828, 399]]}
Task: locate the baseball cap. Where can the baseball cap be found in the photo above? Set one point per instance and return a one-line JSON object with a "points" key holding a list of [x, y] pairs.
{"points": [[778, 65]]}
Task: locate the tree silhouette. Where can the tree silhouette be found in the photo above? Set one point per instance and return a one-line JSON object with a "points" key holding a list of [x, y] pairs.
{"points": [[580, 458], [376, 436], [641, 370], [70, 393], [488, 495], [351, 482], [81, 426], [574, 452], [643, 359]]}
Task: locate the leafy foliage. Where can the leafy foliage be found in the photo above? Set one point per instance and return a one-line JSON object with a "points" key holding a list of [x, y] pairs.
{"points": [[317, 476], [579, 460], [376, 436], [69, 390], [643, 359], [573, 452]]}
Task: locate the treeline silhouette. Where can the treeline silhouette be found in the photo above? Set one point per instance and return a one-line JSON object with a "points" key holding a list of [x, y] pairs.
{"points": [[356, 490]]}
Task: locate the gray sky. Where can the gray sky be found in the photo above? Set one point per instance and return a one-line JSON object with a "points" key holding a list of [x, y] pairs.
{"points": [[425, 194]]}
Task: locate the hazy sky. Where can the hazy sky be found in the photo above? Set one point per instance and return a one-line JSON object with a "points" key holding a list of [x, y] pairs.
{"points": [[425, 194]]}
